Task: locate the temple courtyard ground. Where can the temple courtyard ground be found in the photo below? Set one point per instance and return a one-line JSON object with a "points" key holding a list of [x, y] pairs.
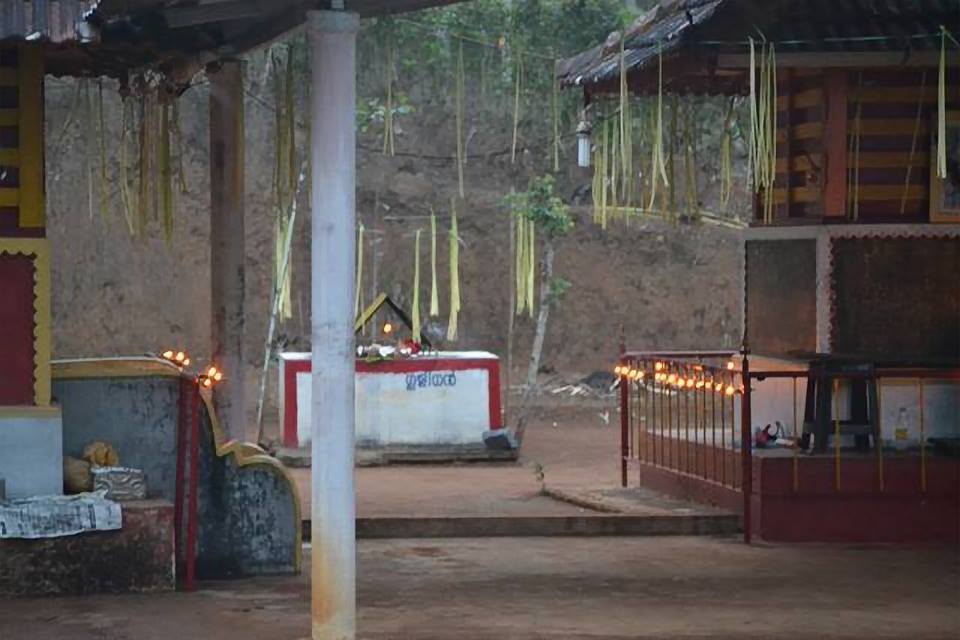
{"points": [[540, 588], [552, 588]]}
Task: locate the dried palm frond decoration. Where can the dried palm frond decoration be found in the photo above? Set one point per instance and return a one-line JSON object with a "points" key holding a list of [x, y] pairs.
{"points": [[434, 293], [126, 196], [415, 305], [555, 114], [626, 132], [691, 194], [285, 172], [517, 89], [658, 169], [358, 289], [942, 104], [389, 76], [726, 156], [454, 274], [913, 142], [166, 175], [102, 128], [460, 89], [763, 138], [89, 131]]}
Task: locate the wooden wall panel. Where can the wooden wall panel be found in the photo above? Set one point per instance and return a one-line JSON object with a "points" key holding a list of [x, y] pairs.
{"points": [[781, 282], [897, 299]]}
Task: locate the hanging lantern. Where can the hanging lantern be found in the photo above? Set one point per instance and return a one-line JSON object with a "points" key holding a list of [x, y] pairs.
{"points": [[583, 143]]}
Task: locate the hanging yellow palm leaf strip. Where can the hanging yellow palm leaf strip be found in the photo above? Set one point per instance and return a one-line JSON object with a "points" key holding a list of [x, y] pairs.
{"points": [[143, 200], [626, 131], [104, 185], [520, 257], [518, 83], [658, 169], [531, 265], [942, 108], [357, 294], [460, 86], [913, 143], [556, 120], [434, 293], [126, 197], [454, 275], [166, 176], [416, 286], [388, 148]]}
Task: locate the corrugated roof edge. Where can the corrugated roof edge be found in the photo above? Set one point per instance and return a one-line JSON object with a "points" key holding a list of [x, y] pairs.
{"points": [[659, 29]]}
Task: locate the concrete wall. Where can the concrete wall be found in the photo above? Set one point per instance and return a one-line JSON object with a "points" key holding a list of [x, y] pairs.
{"points": [[445, 401], [248, 520], [138, 416]]}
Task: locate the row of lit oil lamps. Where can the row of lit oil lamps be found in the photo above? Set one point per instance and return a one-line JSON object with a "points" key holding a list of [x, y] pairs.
{"points": [[181, 359], [663, 375]]}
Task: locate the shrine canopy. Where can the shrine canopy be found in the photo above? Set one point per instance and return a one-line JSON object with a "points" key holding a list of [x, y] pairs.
{"points": [[173, 37], [702, 46]]}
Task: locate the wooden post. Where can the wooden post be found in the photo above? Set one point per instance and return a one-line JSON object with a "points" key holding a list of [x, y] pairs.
{"points": [[227, 241], [746, 448]]}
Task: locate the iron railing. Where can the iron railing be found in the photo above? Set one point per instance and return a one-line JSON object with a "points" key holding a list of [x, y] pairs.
{"points": [[679, 412]]}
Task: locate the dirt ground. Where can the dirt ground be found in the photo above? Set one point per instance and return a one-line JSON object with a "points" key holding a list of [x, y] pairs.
{"points": [[570, 443], [559, 588]]}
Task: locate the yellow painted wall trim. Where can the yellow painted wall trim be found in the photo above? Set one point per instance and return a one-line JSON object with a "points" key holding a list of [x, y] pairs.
{"points": [[84, 368], [250, 455], [23, 411], [32, 206], [39, 248], [9, 197], [10, 157]]}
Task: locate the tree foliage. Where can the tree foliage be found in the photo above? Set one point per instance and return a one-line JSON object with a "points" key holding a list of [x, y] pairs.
{"points": [[539, 204]]}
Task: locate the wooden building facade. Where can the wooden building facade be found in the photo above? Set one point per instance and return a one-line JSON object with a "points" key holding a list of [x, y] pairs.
{"points": [[859, 253]]}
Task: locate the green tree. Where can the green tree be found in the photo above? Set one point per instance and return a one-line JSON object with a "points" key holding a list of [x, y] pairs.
{"points": [[551, 218]]}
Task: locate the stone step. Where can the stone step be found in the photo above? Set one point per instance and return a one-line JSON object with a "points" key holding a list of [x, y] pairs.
{"points": [[301, 458], [548, 526]]}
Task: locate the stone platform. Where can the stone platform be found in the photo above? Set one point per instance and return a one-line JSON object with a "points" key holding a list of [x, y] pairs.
{"points": [[137, 559]]}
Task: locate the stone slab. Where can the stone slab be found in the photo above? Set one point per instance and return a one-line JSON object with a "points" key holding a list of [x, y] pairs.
{"points": [[31, 452], [138, 558]]}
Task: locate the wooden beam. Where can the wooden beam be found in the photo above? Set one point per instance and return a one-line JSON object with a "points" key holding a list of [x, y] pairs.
{"points": [[835, 144], [801, 99], [868, 160], [227, 289], [868, 193], [842, 59], [193, 15]]}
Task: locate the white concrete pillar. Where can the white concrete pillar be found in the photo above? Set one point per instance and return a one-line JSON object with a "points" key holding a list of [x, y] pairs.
{"points": [[227, 241], [333, 203]]}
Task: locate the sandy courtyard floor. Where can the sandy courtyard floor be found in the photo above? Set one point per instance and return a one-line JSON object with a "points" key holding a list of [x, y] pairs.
{"points": [[558, 589]]}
